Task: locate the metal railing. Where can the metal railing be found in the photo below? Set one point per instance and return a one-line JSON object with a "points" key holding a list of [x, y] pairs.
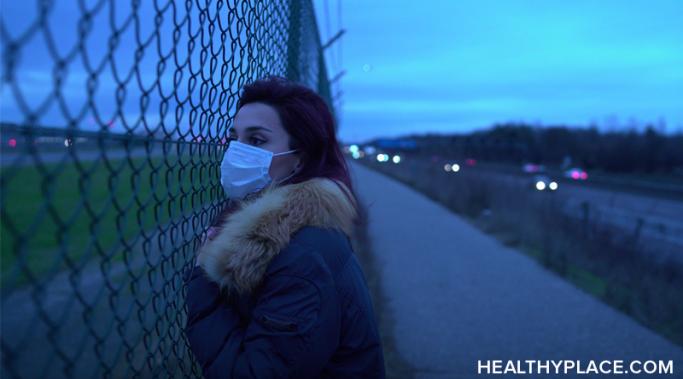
{"points": [[114, 121]]}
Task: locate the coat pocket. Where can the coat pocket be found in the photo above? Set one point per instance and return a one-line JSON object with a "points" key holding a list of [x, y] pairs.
{"points": [[278, 323]]}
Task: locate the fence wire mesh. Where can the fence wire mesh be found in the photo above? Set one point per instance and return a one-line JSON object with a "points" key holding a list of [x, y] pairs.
{"points": [[114, 121]]}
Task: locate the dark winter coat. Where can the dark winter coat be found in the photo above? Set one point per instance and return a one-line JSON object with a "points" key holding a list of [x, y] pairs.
{"points": [[279, 293]]}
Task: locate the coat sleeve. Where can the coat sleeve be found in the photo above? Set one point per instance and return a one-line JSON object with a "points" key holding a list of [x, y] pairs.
{"points": [[293, 332]]}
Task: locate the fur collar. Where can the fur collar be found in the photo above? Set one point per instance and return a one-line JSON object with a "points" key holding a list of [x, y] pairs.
{"points": [[238, 256]]}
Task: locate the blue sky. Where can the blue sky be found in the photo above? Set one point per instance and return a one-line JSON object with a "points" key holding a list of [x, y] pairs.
{"points": [[436, 66], [456, 66]]}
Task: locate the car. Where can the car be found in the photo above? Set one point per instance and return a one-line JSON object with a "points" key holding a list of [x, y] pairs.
{"points": [[533, 168], [544, 183], [576, 173]]}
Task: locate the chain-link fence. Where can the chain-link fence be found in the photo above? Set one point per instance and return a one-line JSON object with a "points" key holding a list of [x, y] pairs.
{"points": [[114, 121]]}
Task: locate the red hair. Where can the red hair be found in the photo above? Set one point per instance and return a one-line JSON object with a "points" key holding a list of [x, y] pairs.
{"points": [[307, 119], [309, 123]]}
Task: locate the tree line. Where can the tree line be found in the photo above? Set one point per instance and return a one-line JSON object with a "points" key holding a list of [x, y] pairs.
{"points": [[632, 150]]}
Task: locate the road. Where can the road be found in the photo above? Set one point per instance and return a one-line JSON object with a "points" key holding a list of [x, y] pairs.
{"points": [[657, 220], [459, 296]]}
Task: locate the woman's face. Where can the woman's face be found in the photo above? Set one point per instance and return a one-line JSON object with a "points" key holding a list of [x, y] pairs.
{"points": [[259, 125]]}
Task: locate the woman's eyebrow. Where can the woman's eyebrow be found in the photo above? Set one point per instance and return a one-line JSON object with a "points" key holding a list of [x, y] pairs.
{"points": [[253, 128]]}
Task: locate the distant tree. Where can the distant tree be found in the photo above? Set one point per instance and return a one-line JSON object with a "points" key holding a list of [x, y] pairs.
{"points": [[648, 150]]}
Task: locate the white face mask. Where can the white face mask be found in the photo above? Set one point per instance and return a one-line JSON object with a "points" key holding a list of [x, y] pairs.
{"points": [[244, 169]]}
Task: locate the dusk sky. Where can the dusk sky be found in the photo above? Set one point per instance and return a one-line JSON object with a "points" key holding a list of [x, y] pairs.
{"points": [[456, 66], [432, 67]]}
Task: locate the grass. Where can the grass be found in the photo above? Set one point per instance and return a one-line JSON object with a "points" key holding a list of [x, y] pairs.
{"points": [[599, 260], [62, 215], [588, 281]]}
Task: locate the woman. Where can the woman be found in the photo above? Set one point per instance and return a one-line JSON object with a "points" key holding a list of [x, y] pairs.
{"points": [[277, 291]]}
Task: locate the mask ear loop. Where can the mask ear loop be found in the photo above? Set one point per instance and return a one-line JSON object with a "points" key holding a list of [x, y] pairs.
{"points": [[287, 177], [292, 174], [285, 152]]}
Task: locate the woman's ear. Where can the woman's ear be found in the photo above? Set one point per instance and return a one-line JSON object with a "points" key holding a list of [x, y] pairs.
{"points": [[300, 162], [297, 167]]}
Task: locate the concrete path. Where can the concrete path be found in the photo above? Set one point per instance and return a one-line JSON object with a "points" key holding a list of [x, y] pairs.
{"points": [[459, 296]]}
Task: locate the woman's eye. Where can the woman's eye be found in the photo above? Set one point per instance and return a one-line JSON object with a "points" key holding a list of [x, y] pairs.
{"points": [[256, 141]]}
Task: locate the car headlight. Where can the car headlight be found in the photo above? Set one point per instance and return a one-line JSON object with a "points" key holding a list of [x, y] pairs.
{"points": [[540, 185], [553, 186]]}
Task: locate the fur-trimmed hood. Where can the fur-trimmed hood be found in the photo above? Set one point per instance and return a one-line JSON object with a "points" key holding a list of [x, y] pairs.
{"points": [[238, 256]]}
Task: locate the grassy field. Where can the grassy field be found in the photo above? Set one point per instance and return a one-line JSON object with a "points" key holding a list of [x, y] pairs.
{"points": [[593, 256], [65, 215]]}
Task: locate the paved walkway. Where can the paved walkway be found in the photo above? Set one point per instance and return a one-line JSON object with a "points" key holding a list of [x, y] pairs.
{"points": [[459, 296]]}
